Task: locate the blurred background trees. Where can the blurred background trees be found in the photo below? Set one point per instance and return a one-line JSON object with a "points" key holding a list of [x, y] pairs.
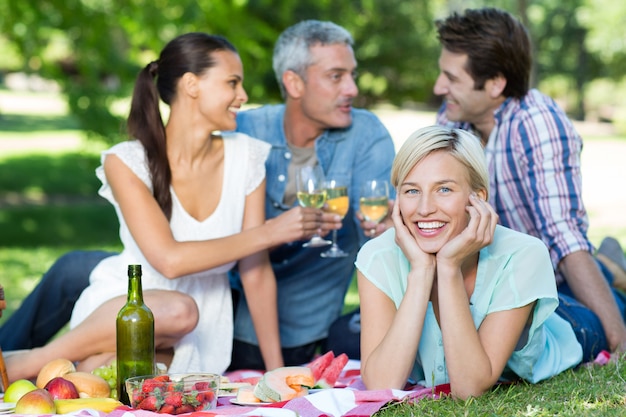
{"points": [[93, 49]]}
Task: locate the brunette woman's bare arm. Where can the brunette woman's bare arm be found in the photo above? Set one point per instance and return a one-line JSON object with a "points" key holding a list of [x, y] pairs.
{"points": [[259, 285], [151, 229]]}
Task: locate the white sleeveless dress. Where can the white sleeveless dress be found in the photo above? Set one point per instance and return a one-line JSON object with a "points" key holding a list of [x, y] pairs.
{"points": [[208, 347]]}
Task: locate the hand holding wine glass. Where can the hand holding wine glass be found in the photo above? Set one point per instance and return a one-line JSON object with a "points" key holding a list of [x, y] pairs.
{"points": [[311, 192], [337, 202], [374, 201]]}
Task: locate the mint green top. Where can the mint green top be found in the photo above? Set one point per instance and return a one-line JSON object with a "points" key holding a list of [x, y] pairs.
{"points": [[513, 271]]}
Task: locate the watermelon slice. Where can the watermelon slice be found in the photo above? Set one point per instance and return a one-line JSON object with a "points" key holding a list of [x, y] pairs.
{"points": [[319, 364], [331, 373]]}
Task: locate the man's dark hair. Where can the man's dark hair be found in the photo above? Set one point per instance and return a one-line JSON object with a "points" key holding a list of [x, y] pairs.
{"points": [[496, 43]]}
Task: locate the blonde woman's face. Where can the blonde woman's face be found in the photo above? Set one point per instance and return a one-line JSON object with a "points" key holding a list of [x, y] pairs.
{"points": [[433, 199]]}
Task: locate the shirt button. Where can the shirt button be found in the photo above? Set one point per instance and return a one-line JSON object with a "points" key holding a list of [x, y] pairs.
{"points": [[281, 178], [287, 155], [440, 368], [440, 342]]}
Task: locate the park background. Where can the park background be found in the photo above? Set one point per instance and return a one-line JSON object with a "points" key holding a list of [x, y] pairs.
{"points": [[67, 68]]}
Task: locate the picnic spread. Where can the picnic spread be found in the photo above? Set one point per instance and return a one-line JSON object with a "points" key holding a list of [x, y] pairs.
{"points": [[348, 397]]}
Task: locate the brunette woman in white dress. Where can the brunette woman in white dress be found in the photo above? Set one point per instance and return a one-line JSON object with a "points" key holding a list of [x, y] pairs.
{"points": [[190, 201]]}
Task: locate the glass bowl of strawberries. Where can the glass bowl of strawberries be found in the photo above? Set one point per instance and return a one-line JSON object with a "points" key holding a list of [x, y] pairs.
{"points": [[174, 393]]}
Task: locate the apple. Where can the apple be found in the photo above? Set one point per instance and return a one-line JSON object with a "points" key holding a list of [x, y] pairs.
{"points": [[61, 389], [17, 389], [38, 401]]}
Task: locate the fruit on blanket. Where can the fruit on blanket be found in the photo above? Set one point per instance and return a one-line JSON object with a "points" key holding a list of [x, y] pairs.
{"points": [[109, 374], [17, 389], [173, 393], [38, 401], [331, 373], [318, 365], [54, 368], [61, 388], [245, 395], [89, 385], [106, 405], [283, 384]]}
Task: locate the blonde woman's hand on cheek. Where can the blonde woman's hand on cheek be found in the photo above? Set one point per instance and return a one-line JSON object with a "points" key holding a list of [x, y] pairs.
{"points": [[406, 241], [478, 233]]}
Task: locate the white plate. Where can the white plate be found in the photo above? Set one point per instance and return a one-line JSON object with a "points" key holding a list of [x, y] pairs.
{"points": [[7, 408], [251, 404]]}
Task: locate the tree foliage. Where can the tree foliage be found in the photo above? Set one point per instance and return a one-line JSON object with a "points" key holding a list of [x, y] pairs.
{"points": [[94, 48]]}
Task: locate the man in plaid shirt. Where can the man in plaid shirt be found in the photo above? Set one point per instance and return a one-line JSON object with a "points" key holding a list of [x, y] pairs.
{"points": [[533, 153]]}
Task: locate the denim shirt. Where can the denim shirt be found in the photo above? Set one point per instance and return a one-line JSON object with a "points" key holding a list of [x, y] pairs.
{"points": [[311, 289]]}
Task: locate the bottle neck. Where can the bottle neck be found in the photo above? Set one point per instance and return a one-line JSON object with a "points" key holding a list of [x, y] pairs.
{"points": [[135, 293]]}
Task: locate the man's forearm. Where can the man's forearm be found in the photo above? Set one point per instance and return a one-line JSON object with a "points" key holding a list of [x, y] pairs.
{"points": [[590, 288]]}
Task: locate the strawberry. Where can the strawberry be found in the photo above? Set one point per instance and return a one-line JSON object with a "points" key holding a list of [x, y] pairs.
{"points": [[150, 385], [204, 397], [201, 386], [149, 403], [137, 397], [191, 398], [162, 378], [209, 396], [175, 399], [167, 409], [185, 408], [176, 387]]}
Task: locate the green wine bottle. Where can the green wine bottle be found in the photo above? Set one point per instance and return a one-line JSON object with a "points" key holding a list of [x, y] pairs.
{"points": [[134, 335]]}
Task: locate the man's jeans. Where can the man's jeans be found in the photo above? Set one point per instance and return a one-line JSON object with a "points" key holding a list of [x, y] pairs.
{"points": [[49, 306], [585, 323]]}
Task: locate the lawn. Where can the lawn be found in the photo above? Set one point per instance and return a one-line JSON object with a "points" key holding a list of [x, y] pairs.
{"points": [[49, 205]]}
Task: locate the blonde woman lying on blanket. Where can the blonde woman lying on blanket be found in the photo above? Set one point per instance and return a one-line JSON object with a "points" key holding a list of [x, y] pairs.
{"points": [[449, 296]]}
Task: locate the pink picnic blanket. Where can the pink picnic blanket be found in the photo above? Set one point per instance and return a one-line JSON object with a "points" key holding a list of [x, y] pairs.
{"points": [[348, 399]]}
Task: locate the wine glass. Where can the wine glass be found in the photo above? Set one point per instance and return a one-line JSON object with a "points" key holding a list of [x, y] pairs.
{"points": [[373, 200], [336, 202], [311, 193]]}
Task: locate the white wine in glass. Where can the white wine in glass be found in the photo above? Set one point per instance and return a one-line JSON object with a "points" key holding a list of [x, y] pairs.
{"points": [[374, 200], [337, 202], [311, 192]]}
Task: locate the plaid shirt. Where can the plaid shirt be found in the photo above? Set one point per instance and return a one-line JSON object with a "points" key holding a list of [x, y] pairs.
{"points": [[533, 154]]}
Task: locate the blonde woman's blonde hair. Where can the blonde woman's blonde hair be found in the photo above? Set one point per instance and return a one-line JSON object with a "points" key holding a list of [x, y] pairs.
{"points": [[462, 145]]}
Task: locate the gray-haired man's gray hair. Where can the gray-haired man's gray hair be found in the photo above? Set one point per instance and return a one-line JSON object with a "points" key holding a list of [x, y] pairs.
{"points": [[292, 49]]}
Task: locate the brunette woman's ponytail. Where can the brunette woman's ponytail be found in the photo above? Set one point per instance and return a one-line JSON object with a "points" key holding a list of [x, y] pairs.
{"points": [[146, 125]]}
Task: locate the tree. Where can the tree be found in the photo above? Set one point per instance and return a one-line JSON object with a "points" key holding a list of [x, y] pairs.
{"points": [[94, 49]]}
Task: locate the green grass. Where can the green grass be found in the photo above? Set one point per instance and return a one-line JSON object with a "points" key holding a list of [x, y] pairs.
{"points": [[34, 124], [49, 205], [586, 391]]}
